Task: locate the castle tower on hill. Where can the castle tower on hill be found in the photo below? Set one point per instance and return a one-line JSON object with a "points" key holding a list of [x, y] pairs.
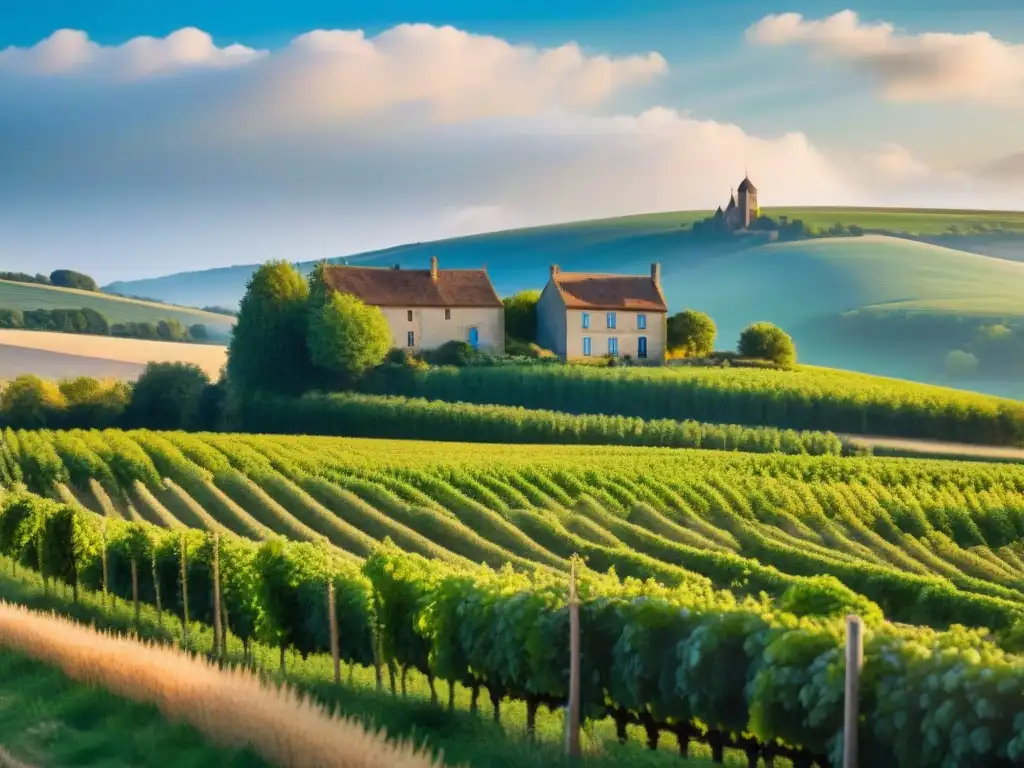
{"points": [[742, 209]]}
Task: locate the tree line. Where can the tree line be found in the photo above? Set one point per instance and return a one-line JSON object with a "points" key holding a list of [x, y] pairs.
{"points": [[93, 323], [61, 278]]}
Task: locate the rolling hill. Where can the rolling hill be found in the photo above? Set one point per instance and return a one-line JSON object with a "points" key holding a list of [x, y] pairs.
{"points": [[117, 309], [850, 302], [66, 355]]}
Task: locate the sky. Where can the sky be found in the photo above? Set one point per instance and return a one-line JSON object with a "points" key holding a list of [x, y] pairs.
{"points": [[141, 139]]}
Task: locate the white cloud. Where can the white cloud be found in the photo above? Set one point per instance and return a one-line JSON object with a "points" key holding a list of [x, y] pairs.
{"points": [[932, 66], [69, 51], [339, 143]]}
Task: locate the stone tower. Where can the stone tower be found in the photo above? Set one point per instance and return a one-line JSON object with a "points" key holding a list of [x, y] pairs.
{"points": [[747, 202]]}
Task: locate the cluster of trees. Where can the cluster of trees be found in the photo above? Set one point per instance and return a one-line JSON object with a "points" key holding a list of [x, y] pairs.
{"points": [[165, 396], [786, 230], [692, 334], [88, 321], [62, 278]]}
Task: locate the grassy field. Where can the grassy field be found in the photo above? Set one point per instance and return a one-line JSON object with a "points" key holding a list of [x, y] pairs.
{"points": [[932, 543], [67, 355], [116, 309]]}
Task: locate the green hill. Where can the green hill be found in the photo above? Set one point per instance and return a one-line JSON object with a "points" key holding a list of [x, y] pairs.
{"points": [[883, 303], [117, 309]]}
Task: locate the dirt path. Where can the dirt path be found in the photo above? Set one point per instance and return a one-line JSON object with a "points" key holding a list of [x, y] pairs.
{"points": [[937, 448]]}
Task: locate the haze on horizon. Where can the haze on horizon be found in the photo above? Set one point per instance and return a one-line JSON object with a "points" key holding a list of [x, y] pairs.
{"points": [[138, 145]]}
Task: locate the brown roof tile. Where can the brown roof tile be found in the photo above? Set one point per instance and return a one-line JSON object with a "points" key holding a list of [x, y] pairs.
{"points": [[580, 290], [384, 287]]}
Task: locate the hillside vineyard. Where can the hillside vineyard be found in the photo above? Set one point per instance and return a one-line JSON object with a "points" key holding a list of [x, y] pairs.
{"points": [[749, 561]]}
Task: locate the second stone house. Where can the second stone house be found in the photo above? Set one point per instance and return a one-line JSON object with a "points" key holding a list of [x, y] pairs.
{"points": [[427, 307], [583, 315]]}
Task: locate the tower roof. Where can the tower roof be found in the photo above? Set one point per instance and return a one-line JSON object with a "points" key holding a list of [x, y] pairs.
{"points": [[747, 186]]}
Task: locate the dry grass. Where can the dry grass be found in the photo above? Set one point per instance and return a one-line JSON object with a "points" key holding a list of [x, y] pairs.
{"points": [[66, 355], [232, 707]]}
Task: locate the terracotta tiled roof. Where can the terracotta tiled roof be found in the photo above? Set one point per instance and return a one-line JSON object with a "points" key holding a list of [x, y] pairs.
{"points": [[384, 287], [580, 290]]}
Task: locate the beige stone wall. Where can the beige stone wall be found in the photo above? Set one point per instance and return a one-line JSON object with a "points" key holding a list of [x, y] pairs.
{"points": [[430, 328], [551, 320], [626, 331]]}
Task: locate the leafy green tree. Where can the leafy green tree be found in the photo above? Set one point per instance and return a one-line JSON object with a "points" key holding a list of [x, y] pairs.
{"points": [[68, 278], [171, 330], [347, 336], [95, 323], [29, 402], [11, 318], [198, 332], [94, 404], [767, 342], [521, 316], [168, 396], [268, 350], [692, 333]]}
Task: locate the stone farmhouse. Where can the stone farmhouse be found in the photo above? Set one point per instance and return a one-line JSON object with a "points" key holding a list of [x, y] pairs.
{"points": [[427, 307], [582, 315]]}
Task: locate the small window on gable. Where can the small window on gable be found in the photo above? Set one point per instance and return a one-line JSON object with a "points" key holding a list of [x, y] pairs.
{"points": [[585, 320], [611, 320], [409, 313], [412, 339], [447, 314], [641, 322]]}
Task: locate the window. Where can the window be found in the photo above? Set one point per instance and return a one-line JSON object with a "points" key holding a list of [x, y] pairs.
{"points": [[412, 339], [586, 346], [447, 314], [641, 322], [641, 346], [613, 346], [585, 317], [409, 313], [611, 320]]}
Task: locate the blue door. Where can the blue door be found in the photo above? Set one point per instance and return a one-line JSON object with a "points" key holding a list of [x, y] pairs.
{"points": [[474, 338], [641, 347]]}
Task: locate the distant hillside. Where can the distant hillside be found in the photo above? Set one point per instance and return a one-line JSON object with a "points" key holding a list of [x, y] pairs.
{"points": [[117, 309], [811, 287]]}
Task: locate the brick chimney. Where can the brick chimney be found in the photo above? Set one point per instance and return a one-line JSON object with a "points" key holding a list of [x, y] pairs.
{"points": [[554, 270], [656, 273], [433, 267]]}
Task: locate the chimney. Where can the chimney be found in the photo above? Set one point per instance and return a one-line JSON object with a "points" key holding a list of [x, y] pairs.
{"points": [[656, 273], [554, 270], [396, 266], [433, 267]]}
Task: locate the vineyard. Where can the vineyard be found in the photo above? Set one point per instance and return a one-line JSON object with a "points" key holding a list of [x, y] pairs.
{"points": [[712, 584], [804, 398]]}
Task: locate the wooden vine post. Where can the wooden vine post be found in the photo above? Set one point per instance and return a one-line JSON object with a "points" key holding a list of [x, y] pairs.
{"points": [[332, 617], [156, 591], [851, 703], [572, 713], [106, 589], [218, 626], [135, 589], [184, 590]]}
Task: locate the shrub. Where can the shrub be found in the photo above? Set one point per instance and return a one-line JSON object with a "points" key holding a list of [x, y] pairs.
{"points": [[768, 342], [171, 330], [94, 404], [168, 396], [198, 332], [960, 363], [692, 333], [347, 336], [455, 352], [29, 402]]}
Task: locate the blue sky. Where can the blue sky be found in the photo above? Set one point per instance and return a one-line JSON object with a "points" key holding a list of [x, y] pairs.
{"points": [[138, 169]]}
